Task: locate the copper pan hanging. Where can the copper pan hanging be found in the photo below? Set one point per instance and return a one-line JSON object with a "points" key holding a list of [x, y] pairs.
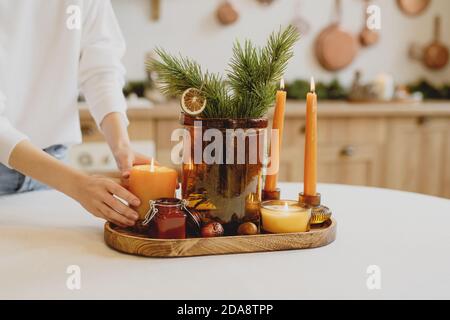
{"points": [[336, 48], [413, 7]]}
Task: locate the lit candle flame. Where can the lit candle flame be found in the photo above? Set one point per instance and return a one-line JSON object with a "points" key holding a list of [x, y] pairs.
{"points": [[152, 165], [313, 85], [286, 207], [282, 84]]}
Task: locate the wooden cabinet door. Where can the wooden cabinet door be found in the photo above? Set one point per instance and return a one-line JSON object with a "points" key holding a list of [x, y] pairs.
{"points": [[142, 130], [446, 175], [292, 154], [349, 150], [433, 145], [349, 164], [402, 155], [417, 155]]}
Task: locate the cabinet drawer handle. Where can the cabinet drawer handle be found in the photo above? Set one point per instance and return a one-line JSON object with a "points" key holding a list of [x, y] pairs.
{"points": [[85, 160], [348, 151], [87, 130], [302, 129], [423, 120], [106, 160]]}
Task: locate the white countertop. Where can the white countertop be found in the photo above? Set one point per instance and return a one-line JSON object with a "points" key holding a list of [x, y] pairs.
{"points": [[407, 235]]}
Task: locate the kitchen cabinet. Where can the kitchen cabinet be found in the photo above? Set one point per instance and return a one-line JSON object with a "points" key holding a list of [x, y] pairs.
{"points": [[348, 150], [164, 145], [138, 130], [350, 164], [434, 136], [94, 156], [396, 146], [417, 155]]}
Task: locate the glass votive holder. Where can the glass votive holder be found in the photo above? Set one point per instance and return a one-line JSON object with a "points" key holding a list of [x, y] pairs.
{"points": [[319, 213], [285, 216], [271, 195]]}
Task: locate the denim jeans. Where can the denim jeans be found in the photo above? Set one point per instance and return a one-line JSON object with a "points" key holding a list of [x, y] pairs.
{"points": [[12, 181]]}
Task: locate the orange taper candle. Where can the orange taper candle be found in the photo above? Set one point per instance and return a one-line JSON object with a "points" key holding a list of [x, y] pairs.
{"points": [[151, 182], [310, 169], [278, 124]]}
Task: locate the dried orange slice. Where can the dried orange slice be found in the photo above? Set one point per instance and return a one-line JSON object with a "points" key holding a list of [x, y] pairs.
{"points": [[193, 101]]}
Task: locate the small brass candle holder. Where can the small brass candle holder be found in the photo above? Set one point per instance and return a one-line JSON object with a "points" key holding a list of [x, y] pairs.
{"points": [[319, 212], [271, 195]]}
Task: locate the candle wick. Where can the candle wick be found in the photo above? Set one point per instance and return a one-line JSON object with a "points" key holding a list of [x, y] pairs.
{"points": [[152, 165], [282, 85], [313, 85]]}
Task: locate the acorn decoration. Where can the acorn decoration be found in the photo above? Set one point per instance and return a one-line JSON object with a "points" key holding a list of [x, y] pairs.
{"points": [[247, 229], [212, 229]]}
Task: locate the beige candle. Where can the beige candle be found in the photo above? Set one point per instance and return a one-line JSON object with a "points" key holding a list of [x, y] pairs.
{"points": [[280, 216]]}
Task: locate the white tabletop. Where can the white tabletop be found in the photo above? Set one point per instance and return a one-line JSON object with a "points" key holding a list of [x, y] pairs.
{"points": [[406, 235]]}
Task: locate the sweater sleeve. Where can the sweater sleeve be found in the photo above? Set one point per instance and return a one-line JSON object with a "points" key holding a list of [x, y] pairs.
{"points": [[101, 73], [9, 136]]}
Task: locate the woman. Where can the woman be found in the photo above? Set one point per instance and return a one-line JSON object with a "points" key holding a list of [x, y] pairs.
{"points": [[48, 50]]}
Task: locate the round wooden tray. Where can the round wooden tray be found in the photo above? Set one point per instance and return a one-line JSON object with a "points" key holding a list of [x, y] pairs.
{"points": [[136, 244]]}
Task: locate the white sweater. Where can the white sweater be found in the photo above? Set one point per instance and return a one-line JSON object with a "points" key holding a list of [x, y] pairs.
{"points": [[48, 51]]}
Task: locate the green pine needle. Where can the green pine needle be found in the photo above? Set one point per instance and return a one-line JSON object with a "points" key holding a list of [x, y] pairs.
{"points": [[252, 77]]}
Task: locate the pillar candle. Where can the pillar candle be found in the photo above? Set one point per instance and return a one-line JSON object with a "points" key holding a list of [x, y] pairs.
{"points": [[278, 124], [310, 168], [151, 182]]}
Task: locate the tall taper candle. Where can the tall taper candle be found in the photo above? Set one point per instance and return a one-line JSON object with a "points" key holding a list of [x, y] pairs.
{"points": [[278, 124], [310, 169]]}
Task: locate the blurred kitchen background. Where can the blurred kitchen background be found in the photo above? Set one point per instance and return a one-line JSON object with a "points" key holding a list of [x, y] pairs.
{"points": [[384, 108]]}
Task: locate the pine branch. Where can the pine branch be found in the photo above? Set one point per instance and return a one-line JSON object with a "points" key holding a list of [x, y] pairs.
{"points": [[254, 73], [277, 53], [177, 74], [252, 78]]}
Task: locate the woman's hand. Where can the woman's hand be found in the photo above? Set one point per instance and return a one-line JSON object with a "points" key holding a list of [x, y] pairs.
{"points": [[98, 196], [127, 158], [95, 194], [115, 131]]}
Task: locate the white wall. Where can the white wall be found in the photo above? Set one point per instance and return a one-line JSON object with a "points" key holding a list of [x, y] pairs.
{"points": [[189, 27]]}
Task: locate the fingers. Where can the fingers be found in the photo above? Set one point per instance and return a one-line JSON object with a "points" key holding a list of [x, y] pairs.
{"points": [[125, 163], [97, 197], [125, 182], [139, 159], [142, 159], [115, 217], [120, 208], [122, 193]]}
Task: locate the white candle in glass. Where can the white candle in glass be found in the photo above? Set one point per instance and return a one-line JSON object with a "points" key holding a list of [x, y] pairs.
{"points": [[283, 216]]}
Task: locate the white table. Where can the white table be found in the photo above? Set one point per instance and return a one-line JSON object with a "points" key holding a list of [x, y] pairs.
{"points": [[406, 235]]}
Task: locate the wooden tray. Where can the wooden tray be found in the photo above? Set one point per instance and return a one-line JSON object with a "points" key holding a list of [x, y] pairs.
{"points": [[131, 243]]}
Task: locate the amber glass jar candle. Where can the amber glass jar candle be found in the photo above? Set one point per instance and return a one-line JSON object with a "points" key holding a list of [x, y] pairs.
{"points": [[167, 219]]}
